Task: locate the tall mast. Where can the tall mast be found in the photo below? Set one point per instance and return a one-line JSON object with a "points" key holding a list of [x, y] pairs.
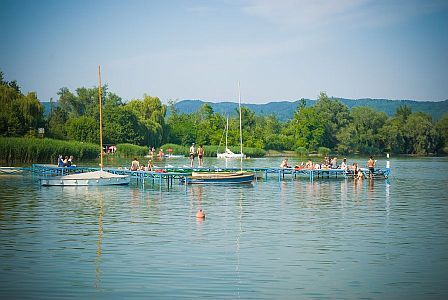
{"points": [[101, 117], [227, 131], [241, 129]]}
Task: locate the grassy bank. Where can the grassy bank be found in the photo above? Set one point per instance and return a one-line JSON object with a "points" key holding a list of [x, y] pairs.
{"points": [[35, 150]]}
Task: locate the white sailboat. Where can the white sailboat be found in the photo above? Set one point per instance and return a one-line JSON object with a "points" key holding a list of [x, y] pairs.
{"points": [[95, 178], [228, 153]]}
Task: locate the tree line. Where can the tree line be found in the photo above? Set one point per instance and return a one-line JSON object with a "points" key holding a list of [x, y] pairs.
{"points": [[329, 124]]}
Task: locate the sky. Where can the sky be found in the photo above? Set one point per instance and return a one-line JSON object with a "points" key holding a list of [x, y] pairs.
{"points": [[277, 49]]}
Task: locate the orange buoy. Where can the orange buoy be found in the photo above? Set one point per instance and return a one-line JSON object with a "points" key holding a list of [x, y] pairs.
{"points": [[200, 214]]}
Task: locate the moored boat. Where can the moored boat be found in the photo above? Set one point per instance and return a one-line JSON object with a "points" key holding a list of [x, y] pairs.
{"points": [[219, 177], [97, 178]]}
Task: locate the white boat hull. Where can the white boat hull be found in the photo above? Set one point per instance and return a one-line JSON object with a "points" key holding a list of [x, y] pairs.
{"points": [[98, 178]]}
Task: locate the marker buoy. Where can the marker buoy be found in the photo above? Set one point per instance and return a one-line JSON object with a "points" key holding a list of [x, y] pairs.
{"points": [[200, 214]]}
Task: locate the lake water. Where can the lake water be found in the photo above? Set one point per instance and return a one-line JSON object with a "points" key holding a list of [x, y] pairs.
{"points": [[294, 239]]}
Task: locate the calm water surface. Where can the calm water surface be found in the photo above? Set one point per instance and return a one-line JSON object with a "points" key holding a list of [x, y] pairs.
{"points": [[292, 239]]}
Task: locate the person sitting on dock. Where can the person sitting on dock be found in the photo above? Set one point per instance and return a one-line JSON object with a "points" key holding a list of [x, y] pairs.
{"points": [[150, 166], [135, 165], [309, 165], [60, 162], [69, 161], [65, 161], [299, 167], [344, 165], [334, 163], [284, 164], [161, 154]]}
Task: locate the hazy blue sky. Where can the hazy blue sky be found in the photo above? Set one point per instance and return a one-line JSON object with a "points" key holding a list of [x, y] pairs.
{"points": [[277, 49]]}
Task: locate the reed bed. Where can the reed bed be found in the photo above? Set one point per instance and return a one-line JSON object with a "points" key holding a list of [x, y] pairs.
{"points": [[36, 150], [129, 150]]}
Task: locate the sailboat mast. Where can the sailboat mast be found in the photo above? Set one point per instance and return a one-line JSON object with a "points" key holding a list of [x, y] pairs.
{"points": [[241, 128], [227, 132], [101, 117]]}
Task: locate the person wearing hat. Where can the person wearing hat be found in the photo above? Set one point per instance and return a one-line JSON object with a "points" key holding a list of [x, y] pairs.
{"points": [[192, 152]]}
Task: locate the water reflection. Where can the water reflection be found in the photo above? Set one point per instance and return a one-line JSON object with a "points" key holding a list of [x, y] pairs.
{"points": [[100, 239]]}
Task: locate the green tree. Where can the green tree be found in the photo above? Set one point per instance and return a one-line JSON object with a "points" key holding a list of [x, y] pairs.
{"points": [[442, 129], [363, 133], [422, 135], [306, 128], [57, 120], [83, 129], [20, 114], [335, 116]]}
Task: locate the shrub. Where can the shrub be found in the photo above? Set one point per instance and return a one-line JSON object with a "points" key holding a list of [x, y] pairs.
{"points": [[302, 151], [323, 151]]}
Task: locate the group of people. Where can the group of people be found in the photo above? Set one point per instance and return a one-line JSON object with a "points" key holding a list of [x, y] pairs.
{"points": [[199, 152], [328, 163], [65, 161], [136, 166]]}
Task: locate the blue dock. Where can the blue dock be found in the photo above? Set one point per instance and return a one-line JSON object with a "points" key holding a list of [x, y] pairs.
{"points": [[169, 174]]}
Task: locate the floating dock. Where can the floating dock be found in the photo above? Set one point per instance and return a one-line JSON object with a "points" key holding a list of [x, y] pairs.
{"points": [[169, 174]]}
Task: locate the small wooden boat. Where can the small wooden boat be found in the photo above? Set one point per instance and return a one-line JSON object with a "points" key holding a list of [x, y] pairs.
{"points": [[219, 177], [97, 178]]}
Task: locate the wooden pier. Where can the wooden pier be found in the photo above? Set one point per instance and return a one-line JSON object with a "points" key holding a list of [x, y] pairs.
{"points": [[167, 175]]}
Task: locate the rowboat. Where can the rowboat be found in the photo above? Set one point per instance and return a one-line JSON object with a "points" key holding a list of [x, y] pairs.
{"points": [[219, 177]]}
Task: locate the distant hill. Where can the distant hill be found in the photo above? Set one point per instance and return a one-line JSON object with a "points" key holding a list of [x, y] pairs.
{"points": [[284, 110]]}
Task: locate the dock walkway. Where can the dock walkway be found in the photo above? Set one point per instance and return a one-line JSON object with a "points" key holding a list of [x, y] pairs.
{"points": [[169, 174]]}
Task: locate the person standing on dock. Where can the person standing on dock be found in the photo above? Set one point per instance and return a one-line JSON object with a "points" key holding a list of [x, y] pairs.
{"points": [[192, 153], [201, 155], [135, 165], [371, 166]]}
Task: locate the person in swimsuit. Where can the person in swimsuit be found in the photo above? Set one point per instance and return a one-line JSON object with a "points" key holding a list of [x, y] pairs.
{"points": [[192, 153], [135, 165], [200, 155], [371, 166]]}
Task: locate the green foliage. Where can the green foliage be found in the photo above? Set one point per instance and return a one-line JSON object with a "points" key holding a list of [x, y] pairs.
{"points": [[442, 130], [302, 151], [31, 150], [329, 124], [129, 150], [323, 151], [334, 115], [83, 129], [19, 114], [307, 128]]}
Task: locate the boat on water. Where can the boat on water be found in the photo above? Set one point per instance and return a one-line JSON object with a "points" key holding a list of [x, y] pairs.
{"points": [[219, 177], [94, 178], [10, 170], [224, 177], [228, 154]]}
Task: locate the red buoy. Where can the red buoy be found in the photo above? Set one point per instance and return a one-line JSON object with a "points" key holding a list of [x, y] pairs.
{"points": [[200, 214]]}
